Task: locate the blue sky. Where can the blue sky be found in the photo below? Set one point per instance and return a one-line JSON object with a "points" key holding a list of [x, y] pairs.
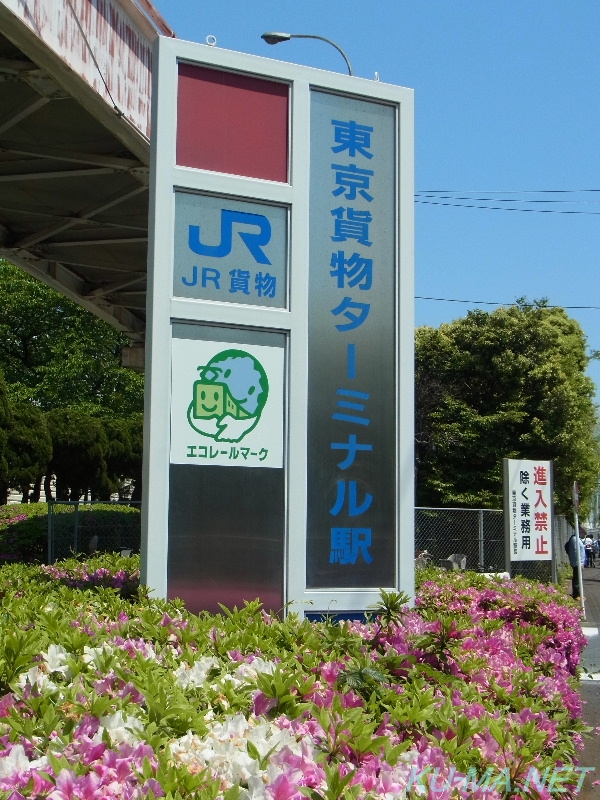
{"points": [[507, 98]]}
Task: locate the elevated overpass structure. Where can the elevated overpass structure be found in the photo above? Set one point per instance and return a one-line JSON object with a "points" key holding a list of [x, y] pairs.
{"points": [[75, 84]]}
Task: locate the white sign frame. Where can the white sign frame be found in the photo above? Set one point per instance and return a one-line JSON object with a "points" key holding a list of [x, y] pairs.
{"points": [[521, 503], [163, 308]]}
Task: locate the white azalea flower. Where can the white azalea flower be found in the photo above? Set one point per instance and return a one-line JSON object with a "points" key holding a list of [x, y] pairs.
{"points": [[241, 766], [249, 672], [15, 763], [232, 728], [267, 736], [122, 728], [91, 655], [39, 763], [149, 652], [38, 677], [190, 750], [195, 676], [256, 789], [408, 756], [56, 660], [225, 750]]}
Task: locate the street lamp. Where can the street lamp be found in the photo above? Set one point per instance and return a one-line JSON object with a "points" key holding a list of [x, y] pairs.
{"points": [[274, 38]]}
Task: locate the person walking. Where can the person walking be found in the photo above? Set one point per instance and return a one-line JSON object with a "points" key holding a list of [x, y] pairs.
{"points": [[573, 546], [589, 551]]}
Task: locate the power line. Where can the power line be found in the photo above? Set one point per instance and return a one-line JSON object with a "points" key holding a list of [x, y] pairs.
{"points": [[505, 191], [436, 196], [504, 208], [489, 303], [471, 198]]}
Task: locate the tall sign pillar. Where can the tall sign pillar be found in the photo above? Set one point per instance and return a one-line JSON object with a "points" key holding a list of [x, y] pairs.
{"points": [[279, 406]]}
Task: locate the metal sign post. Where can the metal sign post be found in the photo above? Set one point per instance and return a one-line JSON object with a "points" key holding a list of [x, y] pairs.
{"points": [[279, 418], [576, 521]]}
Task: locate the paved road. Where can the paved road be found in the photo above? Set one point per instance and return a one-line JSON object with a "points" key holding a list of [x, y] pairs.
{"points": [[590, 687]]}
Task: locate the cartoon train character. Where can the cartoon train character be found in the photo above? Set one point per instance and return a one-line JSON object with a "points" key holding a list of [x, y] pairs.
{"points": [[214, 401]]}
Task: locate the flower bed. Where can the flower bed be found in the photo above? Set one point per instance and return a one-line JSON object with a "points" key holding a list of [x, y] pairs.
{"points": [[109, 570], [24, 528], [471, 694], [23, 532]]}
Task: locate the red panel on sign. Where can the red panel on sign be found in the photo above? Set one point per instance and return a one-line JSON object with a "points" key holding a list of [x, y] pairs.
{"points": [[232, 123]]}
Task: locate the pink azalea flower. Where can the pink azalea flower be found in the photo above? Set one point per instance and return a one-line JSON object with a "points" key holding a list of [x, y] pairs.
{"points": [[283, 789], [261, 704]]}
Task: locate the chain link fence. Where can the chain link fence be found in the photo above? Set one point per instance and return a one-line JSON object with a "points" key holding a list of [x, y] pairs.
{"points": [[79, 527], [477, 534]]}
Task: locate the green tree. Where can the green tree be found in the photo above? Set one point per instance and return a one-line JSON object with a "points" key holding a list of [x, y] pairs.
{"points": [[5, 424], [29, 450], [123, 455], [55, 354], [508, 384], [79, 450], [134, 466]]}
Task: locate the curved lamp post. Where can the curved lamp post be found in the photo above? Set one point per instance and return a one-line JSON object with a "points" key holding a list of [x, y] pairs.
{"points": [[274, 38]]}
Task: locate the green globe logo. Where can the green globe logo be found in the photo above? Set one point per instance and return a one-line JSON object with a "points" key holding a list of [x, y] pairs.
{"points": [[229, 396]]}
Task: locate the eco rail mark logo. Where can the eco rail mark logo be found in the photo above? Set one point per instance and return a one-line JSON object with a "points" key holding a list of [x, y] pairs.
{"points": [[229, 397]]}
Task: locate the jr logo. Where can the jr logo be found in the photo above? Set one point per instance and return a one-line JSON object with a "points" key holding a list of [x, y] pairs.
{"points": [[253, 241]]}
